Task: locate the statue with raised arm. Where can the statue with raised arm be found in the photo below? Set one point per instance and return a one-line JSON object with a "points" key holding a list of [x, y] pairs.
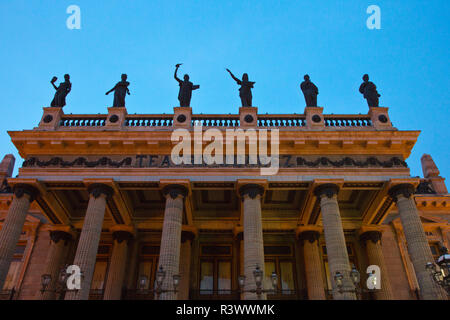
{"points": [[61, 92], [245, 91], [186, 88], [120, 91], [369, 90], [310, 91]]}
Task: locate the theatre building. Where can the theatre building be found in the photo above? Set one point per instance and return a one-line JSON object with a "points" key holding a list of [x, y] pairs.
{"points": [[102, 193]]}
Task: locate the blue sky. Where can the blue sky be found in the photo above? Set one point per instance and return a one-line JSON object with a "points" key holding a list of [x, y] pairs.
{"points": [[276, 42]]}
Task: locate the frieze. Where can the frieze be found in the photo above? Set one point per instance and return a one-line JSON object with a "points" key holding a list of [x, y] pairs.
{"points": [[164, 161]]}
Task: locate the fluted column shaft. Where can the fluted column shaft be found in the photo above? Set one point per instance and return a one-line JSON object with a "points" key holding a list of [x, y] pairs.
{"points": [[116, 272], [418, 246], [57, 253], [313, 265], [253, 239], [169, 256], [86, 254], [12, 227], [338, 260], [185, 265], [372, 241]]}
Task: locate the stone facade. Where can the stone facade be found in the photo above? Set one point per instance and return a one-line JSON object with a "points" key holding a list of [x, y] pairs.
{"points": [[106, 197]]}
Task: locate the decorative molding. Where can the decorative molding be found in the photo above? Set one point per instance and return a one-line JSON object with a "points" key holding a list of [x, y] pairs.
{"points": [[21, 189], [425, 187], [97, 189], [347, 161], [249, 118], [373, 236], [405, 189], [5, 188], [328, 189], [175, 190], [252, 190], [114, 118], [163, 161], [181, 118], [310, 235], [121, 236], [187, 236], [48, 118], [82, 162], [57, 236]]}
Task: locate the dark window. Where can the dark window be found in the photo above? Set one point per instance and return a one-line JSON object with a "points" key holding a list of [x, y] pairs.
{"points": [[277, 250], [216, 250], [150, 250]]}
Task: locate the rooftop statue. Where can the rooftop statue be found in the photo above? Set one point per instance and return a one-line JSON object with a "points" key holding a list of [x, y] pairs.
{"points": [[186, 88], [61, 92], [120, 91], [369, 90], [245, 91], [310, 91]]}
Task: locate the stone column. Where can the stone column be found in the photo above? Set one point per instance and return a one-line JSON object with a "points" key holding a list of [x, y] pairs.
{"points": [[418, 246], [13, 225], [372, 242], [169, 255], [313, 265], [185, 264], [116, 272], [335, 241], [253, 238], [57, 253], [86, 254]]}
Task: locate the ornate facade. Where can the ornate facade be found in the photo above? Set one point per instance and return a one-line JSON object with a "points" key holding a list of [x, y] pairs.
{"points": [[101, 192]]}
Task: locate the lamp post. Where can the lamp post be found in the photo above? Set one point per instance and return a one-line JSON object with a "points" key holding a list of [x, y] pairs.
{"points": [[160, 276], [258, 276], [440, 270], [61, 285], [355, 276]]}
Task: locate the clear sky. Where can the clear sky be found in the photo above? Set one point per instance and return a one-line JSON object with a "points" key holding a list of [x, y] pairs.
{"points": [[275, 41]]}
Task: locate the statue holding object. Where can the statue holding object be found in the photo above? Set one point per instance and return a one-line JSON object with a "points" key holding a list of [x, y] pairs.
{"points": [[245, 91], [186, 88], [120, 92], [61, 92]]}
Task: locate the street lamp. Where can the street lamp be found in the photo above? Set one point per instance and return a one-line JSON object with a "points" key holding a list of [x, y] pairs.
{"points": [[258, 276], [45, 281], [160, 276], [354, 276], [61, 284], [440, 271]]}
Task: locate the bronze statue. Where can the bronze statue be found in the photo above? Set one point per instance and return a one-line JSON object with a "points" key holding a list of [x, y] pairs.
{"points": [[186, 88], [245, 91], [120, 91], [61, 92], [310, 91], [369, 90]]}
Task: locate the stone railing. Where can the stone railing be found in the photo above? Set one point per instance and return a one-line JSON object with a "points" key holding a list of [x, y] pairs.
{"points": [[281, 120], [149, 120], [211, 120], [311, 120], [70, 120], [347, 121]]}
